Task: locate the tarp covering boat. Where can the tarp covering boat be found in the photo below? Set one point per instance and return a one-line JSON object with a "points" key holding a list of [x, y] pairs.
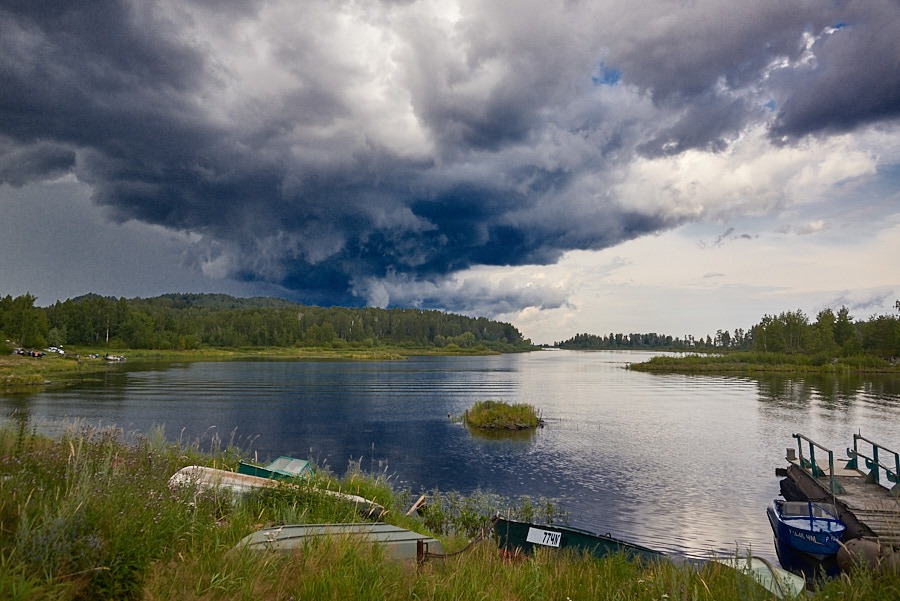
{"points": [[281, 469]]}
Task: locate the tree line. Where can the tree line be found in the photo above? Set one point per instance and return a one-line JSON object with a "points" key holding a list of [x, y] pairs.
{"points": [[192, 321], [791, 332]]}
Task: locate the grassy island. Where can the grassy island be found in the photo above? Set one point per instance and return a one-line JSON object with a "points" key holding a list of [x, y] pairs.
{"points": [[760, 362], [88, 514], [498, 415]]}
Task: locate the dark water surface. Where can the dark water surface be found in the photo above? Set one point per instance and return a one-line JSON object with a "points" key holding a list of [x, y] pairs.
{"points": [[683, 464]]}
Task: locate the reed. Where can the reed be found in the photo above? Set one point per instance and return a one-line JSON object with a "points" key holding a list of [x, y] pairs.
{"points": [[88, 514]]}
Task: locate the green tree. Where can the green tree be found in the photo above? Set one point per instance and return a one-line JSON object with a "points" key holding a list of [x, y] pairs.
{"points": [[24, 322], [56, 336], [769, 335], [845, 333], [822, 338], [881, 336], [796, 331]]}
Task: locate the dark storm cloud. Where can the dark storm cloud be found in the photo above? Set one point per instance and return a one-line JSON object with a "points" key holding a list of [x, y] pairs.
{"points": [[22, 163], [855, 77], [704, 125], [329, 147]]}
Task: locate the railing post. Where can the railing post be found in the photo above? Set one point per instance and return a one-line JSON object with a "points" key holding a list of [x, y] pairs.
{"points": [[835, 485], [873, 476], [800, 450], [895, 489], [816, 472], [853, 464]]}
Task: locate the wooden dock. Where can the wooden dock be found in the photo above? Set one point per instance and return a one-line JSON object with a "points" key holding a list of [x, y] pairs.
{"points": [[868, 508]]}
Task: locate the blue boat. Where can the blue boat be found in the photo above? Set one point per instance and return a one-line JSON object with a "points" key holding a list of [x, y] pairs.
{"points": [[807, 526]]}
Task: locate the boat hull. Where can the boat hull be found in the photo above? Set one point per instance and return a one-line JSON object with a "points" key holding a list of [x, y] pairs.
{"points": [[817, 531], [782, 583], [207, 478], [398, 544], [521, 537]]}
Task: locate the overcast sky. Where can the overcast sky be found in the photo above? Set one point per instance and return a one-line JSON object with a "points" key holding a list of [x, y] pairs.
{"points": [[598, 166]]}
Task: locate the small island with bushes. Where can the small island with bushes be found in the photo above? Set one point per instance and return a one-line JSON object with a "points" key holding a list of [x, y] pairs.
{"points": [[789, 342], [498, 415]]}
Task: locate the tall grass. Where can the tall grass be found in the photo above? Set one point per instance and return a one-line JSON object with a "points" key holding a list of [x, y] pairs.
{"points": [[88, 514]]}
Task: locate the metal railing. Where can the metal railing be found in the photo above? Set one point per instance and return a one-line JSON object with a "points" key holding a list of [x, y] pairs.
{"points": [[873, 463], [811, 465]]}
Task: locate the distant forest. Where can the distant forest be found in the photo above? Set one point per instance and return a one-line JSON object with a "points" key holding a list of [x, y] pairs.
{"points": [[830, 335], [191, 321]]}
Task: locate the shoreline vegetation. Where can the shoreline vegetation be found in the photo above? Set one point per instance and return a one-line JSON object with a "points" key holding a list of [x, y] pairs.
{"points": [[757, 362], [216, 327], [88, 513], [789, 343], [17, 371], [201, 321], [499, 415]]}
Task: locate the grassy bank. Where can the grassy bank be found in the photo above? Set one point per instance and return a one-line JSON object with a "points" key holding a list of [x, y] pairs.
{"points": [[88, 514], [758, 362], [18, 371], [22, 372]]}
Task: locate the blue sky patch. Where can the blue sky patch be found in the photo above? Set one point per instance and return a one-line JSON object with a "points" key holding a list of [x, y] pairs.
{"points": [[606, 76]]}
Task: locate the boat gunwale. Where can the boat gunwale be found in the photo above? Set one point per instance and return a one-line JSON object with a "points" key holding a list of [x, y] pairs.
{"points": [[623, 545], [789, 520]]}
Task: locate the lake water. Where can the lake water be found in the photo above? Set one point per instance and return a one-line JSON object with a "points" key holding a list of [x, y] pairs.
{"points": [[683, 464]]}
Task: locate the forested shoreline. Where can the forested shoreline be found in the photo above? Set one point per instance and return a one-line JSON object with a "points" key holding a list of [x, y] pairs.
{"points": [[194, 321], [831, 336]]}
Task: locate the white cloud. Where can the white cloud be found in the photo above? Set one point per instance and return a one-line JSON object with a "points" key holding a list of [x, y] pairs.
{"points": [[813, 227], [751, 177], [671, 285]]}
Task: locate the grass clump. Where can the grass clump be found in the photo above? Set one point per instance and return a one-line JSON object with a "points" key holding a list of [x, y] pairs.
{"points": [[452, 513], [499, 415]]}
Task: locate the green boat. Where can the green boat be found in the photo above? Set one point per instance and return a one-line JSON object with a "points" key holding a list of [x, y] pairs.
{"points": [[521, 537], [283, 468]]}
